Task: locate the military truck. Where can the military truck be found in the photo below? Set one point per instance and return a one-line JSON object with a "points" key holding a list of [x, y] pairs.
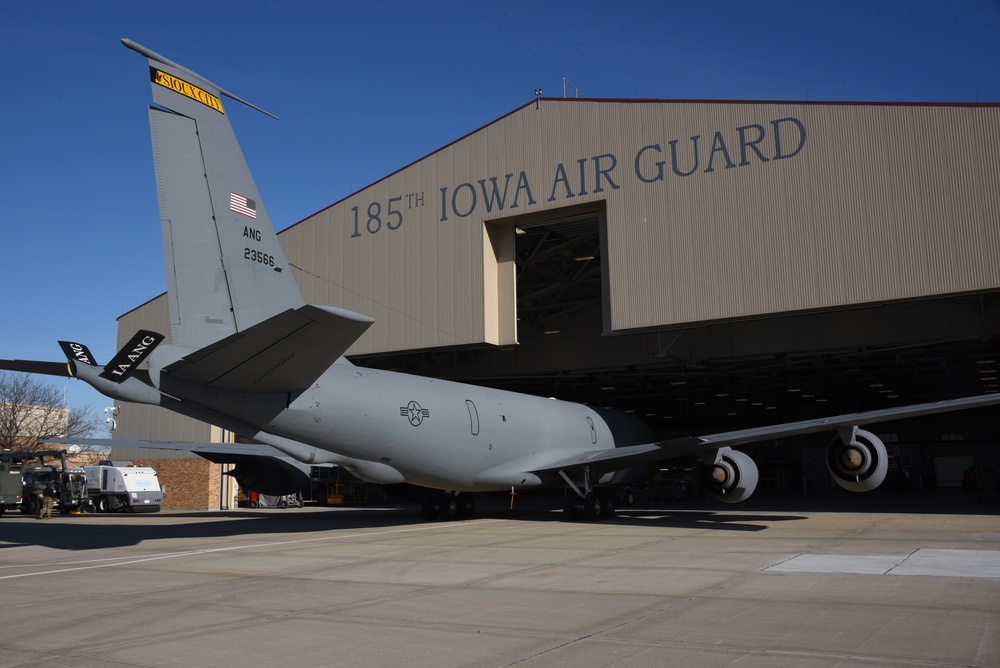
{"points": [[70, 484], [10, 486]]}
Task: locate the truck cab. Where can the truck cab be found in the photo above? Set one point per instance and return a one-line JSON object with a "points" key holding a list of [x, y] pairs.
{"points": [[70, 486]]}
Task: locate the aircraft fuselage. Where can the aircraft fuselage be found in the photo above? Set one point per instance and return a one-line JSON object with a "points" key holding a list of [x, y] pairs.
{"points": [[436, 433]]}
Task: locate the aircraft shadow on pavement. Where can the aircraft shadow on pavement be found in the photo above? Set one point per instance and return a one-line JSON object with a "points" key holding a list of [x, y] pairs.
{"points": [[80, 533], [84, 533], [675, 519], [704, 519]]}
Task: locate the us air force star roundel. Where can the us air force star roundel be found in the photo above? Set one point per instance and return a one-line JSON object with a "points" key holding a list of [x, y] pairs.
{"points": [[414, 413]]}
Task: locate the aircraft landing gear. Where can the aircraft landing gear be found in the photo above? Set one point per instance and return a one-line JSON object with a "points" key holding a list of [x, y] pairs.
{"points": [[431, 506], [588, 503], [599, 505], [596, 505], [448, 506]]}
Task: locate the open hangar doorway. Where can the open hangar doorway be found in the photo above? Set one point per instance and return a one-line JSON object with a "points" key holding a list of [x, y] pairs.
{"points": [[713, 377]]}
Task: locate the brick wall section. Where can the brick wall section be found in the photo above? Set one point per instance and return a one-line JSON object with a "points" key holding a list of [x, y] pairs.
{"points": [[188, 483]]}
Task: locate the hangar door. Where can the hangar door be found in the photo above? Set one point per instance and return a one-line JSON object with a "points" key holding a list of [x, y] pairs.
{"points": [[549, 273]]}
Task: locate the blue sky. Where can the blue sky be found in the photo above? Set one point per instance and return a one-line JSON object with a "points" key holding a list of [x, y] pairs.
{"points": [[363, 89]]}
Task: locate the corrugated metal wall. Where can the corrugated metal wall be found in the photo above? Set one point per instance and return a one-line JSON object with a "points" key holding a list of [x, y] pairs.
{"points": [[714, 211], [881, 203]]}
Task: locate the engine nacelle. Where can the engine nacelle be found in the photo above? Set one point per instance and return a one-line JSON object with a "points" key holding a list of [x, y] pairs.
{"points": [[732, 479], [267, 475], [859, 466]]}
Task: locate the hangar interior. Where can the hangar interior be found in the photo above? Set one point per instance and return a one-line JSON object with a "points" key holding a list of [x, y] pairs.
{"points": [[851, 267], [719, 375]]}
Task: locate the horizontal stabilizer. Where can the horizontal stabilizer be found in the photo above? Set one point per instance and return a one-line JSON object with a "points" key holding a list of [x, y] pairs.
{"points": [[284, 353], [31, 366], [196, 447], [75, 352]]}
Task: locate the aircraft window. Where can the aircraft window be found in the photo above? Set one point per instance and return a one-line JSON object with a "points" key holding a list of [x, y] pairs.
{"points": [[473, 417]]}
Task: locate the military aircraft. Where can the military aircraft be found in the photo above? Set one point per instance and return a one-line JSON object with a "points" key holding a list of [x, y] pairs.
{"points": [[246, 353]]}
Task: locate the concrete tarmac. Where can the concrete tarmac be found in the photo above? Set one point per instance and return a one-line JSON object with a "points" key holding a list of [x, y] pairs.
{"points": [[381, 587]]}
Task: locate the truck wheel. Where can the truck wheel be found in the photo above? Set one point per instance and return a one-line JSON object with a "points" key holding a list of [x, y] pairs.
{"points": [[33, 507]]}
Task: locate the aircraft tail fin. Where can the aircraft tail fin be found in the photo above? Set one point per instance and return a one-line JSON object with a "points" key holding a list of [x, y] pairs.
{"points": [[226, 270]]}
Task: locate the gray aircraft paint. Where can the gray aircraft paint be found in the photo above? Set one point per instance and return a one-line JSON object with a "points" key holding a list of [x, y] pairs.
{"points": [[215, 287]]}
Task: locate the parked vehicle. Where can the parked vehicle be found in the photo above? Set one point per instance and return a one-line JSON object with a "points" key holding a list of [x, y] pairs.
{"points": [[10, 486], [114, 489], [70, 484]]}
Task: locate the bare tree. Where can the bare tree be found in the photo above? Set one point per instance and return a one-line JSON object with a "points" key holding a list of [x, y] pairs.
{"points": [[32, 412]]}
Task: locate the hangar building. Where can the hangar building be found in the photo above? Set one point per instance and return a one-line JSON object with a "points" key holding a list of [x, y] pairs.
{"points": [[707, 265]]}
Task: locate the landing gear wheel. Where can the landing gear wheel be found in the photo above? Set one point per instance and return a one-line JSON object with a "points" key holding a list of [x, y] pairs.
{"points": [[608, 509], [431, 507], [449, 506], [571, 507], [593, 506], [466, 506]]}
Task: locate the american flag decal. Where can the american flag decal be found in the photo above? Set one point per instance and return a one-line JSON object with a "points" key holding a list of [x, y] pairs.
{"points": [[243, 205]]}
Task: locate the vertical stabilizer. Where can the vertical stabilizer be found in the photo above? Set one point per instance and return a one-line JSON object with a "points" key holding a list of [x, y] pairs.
{"points": [[226, 270]]}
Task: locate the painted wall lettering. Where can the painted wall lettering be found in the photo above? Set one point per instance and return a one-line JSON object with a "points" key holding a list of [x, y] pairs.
{"points": [[753, 144], [377, 216]]}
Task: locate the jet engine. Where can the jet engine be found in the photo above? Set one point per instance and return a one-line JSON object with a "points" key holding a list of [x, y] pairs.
{"points": [[267, 475], [860, 465], [731, 479]]}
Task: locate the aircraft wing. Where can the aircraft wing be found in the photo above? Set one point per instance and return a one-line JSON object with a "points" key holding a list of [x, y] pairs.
{"points": [[284, 353], [261, 464], [619, 458], [196, 447], [31, 366], [259, 468]]}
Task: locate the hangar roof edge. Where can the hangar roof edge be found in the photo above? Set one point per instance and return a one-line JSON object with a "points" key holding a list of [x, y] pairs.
{"points": [[609, 100], [626, 100], [136, 308]]}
